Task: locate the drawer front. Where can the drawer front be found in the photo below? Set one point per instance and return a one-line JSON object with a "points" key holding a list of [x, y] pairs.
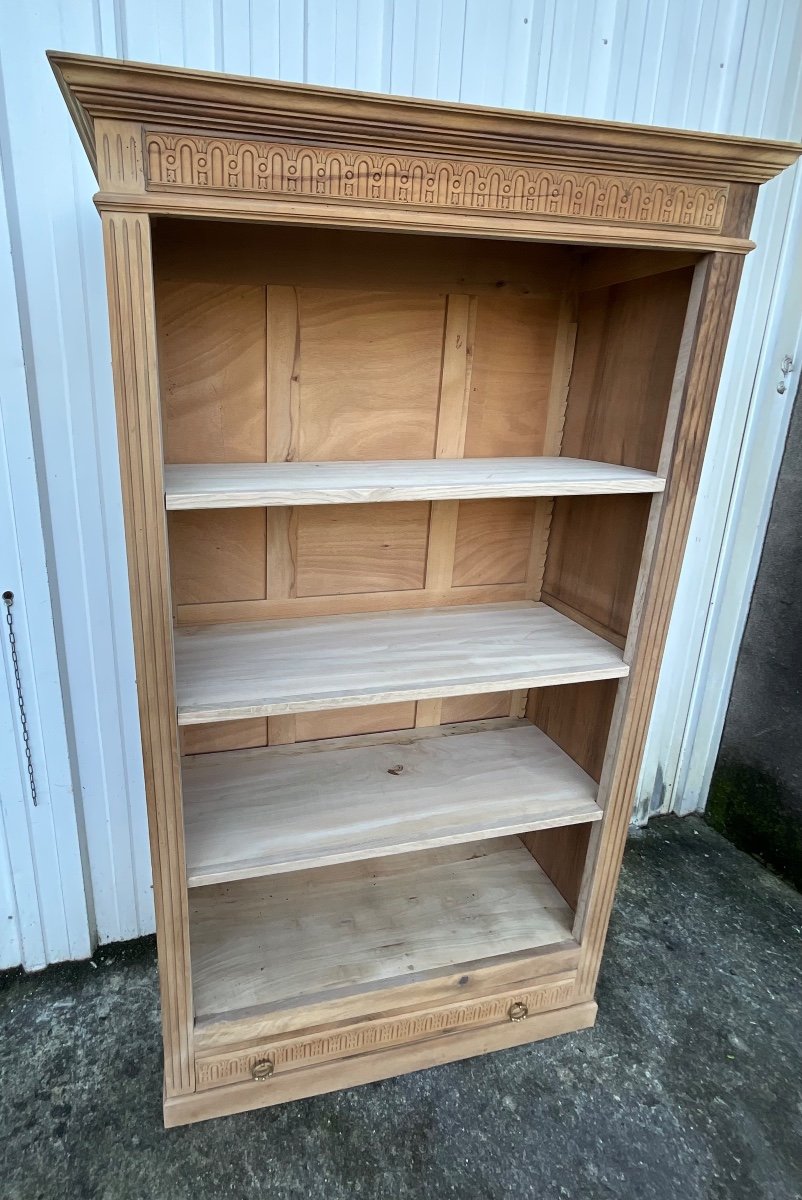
{"points": [[281, 1055]]}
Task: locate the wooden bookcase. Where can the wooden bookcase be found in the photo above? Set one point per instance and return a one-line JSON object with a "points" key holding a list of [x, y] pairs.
{"points": [[412, 401]]}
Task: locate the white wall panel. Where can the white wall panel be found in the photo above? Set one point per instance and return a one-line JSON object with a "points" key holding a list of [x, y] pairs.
{"points": [[715, 64], [44, 908]]}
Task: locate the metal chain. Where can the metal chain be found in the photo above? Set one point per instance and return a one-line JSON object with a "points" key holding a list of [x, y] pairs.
{"points": [[8, 599]]}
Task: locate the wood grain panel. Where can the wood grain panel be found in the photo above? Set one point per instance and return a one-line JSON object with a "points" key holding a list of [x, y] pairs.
{"points": [[701, 355], [578, 718], [602, 268], [224, 735], [627, 343], [512, 370], [298, 257], [561, 854], [361, 548], [474, 708], [429, 910], [136, 388], [284, 809], [493, 541], [272, 668], [594, 553], [367, 1068], [370, 372], [217, 556], [357, 1039], [248, 485], [356, 602], [346, 722], [212, 366]]}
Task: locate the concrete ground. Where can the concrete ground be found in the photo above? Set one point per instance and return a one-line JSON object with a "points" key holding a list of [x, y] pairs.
{"points": [[689, 1086]]}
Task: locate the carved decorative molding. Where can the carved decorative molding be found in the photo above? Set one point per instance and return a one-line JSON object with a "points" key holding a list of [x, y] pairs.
{"points": [[376, 1035], [119, 160], [180, 162]]}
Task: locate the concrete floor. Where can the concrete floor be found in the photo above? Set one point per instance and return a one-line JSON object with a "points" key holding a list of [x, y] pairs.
{"points": [[689, 1086]]}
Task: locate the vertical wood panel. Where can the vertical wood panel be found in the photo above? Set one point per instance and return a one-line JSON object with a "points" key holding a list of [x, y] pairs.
{"points": [[703, 346], [283, 406], [452, 417], [133, 340]]}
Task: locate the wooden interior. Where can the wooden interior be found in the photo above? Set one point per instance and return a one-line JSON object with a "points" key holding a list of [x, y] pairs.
{"points": [[412, 401], [337, 625], [327, 628], [292, 345]]}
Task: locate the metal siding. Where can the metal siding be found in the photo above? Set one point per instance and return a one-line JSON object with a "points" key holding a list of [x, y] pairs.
{"points": [[44, 915], [715, 64]]}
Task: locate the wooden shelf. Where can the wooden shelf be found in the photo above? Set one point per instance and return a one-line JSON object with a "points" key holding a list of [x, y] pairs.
{"points": [[286, 808], [268, 943], [269, 668], [252, 485]]}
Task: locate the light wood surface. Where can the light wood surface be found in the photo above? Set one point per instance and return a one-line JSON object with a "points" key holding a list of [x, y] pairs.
{"points": [[251, 485], [275, 667], [261, 812], [380, 1031], [626, 352], [96, 87], [133, 341], [261, 942], [415, 993], [561, 851], [367, 1068], [300, 256], [701, 354]]}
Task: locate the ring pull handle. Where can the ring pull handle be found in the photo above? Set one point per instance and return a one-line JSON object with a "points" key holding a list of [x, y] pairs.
{"points": [[518, 1012], [262, 1070]]}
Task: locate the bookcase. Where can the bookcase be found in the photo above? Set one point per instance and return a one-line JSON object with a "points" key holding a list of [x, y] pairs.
{"points": [[412, 401]]}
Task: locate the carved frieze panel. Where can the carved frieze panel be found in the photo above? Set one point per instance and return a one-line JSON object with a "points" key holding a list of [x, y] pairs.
{"points": [[377, 1035], [178, 162]]}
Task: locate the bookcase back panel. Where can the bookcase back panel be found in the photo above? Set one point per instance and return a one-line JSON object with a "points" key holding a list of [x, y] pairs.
{"points": [[224, 735], [510, 380], [366, 369], [493, 541], [303, 345], [343, 549], [345, 722], [212, 352]]}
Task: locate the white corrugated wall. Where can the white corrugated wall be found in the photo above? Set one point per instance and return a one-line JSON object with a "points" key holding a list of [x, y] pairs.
{"points": [[76, 868]]}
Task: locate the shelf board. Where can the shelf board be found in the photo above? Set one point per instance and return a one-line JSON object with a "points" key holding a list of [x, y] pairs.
{"points": [[253, 485], [269, 668], [286, 808], [263, 943]]}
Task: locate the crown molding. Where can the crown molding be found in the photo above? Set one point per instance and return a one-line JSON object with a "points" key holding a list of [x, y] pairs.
{"points": [[235, 106]]}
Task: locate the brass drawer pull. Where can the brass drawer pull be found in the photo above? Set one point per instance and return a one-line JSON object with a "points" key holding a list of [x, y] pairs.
{"points": [[262, 1070], [518, 1012]]}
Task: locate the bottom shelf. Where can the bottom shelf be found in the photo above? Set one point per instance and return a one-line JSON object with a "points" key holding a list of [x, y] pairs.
{"points": [[266, 943]]}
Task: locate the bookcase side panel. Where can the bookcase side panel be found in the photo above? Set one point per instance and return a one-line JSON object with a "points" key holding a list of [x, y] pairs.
{"points": [[699, 364], [133, 341]]}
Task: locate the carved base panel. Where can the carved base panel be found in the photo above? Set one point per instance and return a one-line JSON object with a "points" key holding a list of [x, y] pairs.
{"points": [[367, 1067], [275, 1057]]}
